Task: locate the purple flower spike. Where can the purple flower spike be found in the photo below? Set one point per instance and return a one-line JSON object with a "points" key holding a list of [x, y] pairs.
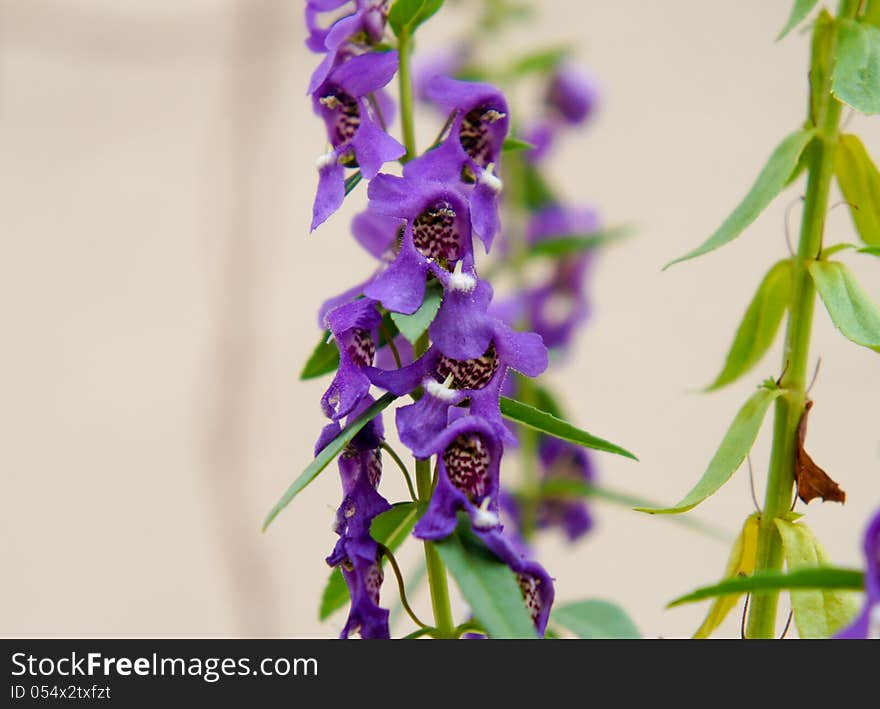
{"points": [[356, 138], [468, 459], [534, 582], [352, 326], [463, 328], [356, 552], [867, 624], [572, 95], [561, 460], [556, 308]]}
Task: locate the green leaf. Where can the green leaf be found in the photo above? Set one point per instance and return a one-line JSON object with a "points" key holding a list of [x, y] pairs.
{"points": [[547, 423], [389, 528], [818, 613], [352, 181], [759, 326], [872, 13], [561, 246], [407, 15], [568, 489], [322, 460], [859, 181], [769, 184], [824, 577], [596, 619], [323, 360], [536, 190], [740, 563], [800, 10], [848, 305], [872, 250], [412, 327], [540, 62], [513, 144], [487, 584], [856, 76], [737, 443]]}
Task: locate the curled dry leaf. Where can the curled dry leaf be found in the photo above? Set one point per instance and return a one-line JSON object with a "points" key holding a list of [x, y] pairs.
{"points": [[811, 480]]}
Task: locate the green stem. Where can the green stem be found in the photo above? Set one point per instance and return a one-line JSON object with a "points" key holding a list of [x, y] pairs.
{"points": [[437, 581], [789, 408], [404, 49]]}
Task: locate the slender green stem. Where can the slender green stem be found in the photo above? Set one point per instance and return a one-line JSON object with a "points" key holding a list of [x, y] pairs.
{"points": [[789, 408], [437, 581], [404, 49], [400, 464]]}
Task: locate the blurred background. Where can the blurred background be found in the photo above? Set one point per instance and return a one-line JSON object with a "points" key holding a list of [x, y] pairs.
{"points": [[160, 290]]}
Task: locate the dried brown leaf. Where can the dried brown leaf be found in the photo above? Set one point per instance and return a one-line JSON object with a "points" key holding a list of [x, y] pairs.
{"points": [[812, 481]]}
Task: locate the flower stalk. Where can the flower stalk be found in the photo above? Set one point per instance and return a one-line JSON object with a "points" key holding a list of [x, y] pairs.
{"points": [[825, 112]]}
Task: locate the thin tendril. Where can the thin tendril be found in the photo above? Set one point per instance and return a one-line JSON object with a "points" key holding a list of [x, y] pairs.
{"points": [[787, 626], [787, 219], [396, 458], [446, 127], [815, 375], [375, 106], [400, 586], [742, 625], [752, 484], [390, 341]]}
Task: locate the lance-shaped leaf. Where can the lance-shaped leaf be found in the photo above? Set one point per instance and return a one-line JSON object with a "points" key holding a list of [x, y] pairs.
{"points": [[769, 184], [389, 528], [818, 612], [352, 181], [737, 443], [322, 460], [799, 11], [412, 327], [596, 619], [822, 577], [859, 181], [856, 76], [740, 563], [547, 423], [323, 360], [558, 247], [759, 326], [511, 145], [851, 309], [540, 61], [407, 15], [559, 488], [487, 584]]}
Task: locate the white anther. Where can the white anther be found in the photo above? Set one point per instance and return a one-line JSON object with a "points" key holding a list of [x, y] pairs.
{"points": [[325, 160], [461, 281], [874, 622], [484, 518], [439, 390], [491, 180], [492, 115]]}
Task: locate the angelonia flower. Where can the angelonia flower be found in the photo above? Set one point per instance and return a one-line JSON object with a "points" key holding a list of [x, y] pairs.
{"points": [[420, 228], [867, 624]]}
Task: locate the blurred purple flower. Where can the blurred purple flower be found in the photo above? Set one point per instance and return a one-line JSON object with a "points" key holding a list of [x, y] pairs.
{"points": [[867, 624], [572, 95]]}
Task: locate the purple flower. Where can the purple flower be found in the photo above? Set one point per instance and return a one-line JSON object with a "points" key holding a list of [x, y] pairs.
{"points": [[534, 581], [572, 95], [472, 148], [356, 138], [867, 624], [352, 326], [449, 382], [444, 62], [557, 307], [561, 460], [468, 459], [356, 553], [436, 239], [347, 36], [542, 135]]}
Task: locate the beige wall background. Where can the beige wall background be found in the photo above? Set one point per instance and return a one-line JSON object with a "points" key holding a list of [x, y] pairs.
{"points": [[160, 289]]}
